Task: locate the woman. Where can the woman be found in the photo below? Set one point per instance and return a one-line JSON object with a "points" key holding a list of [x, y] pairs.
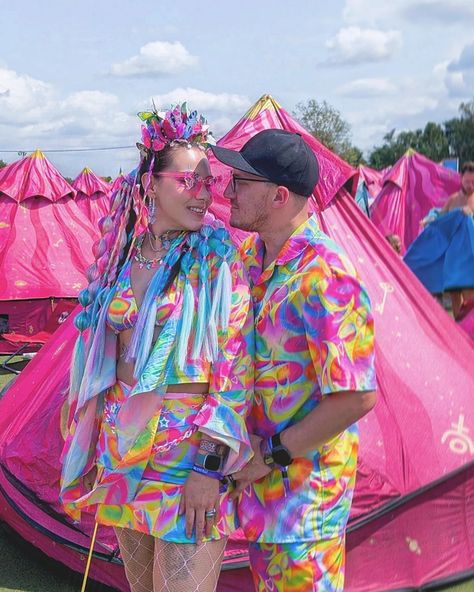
{"points": [[161, 387]]}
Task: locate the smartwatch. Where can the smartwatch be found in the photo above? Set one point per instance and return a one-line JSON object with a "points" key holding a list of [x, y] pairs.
{"points": [[210, 462], [279, 453]]}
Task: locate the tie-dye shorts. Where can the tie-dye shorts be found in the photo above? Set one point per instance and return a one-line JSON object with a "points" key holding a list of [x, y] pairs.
{"points": [[310, 566]]}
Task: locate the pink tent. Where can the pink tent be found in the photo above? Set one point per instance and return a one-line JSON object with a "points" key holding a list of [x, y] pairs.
{"points": [[368, 186], [412, 522], [93, 195], [373, 179], [45, 243], [116, 182], [413, 186]]}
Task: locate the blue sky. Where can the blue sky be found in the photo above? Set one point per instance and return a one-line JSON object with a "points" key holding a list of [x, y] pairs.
{"points": [[74, 75]]}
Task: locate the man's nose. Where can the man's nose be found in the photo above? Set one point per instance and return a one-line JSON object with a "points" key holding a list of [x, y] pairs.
{"points": [[229, 192]]}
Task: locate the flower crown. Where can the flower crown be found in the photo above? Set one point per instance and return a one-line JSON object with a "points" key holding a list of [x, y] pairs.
{"points": [[175, 125]]}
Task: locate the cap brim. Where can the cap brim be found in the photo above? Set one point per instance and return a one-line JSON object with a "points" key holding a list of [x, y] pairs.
{"points": [[234, 159]]}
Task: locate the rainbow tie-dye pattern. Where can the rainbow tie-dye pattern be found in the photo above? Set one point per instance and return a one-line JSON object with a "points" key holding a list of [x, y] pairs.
{"points": [[314, 336]]}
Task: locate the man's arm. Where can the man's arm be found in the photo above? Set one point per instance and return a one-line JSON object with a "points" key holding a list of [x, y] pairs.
{"points": [[333, 415]]}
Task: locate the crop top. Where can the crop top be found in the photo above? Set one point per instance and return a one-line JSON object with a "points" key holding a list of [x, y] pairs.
{"points": [[122, 312]]}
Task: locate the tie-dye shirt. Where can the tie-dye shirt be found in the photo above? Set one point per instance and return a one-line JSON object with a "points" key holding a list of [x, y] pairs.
{"points": [[314, 336]]}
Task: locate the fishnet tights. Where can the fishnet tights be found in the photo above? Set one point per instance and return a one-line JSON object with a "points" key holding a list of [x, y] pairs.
{"points": [[137, 550], [153, 565]]}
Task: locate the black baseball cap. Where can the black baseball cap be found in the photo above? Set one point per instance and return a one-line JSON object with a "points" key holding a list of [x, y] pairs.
{"points": [[281, 157]]}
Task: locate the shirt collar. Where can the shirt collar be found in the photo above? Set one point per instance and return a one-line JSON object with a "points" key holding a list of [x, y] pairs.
{"points": [[293, 247]]}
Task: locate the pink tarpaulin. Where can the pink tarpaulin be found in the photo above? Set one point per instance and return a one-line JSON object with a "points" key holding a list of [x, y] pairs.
{"points": [[93, 195], [413, 186]]}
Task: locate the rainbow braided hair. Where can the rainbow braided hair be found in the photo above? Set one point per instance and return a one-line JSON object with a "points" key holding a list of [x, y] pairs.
{"points": [[127, 219]]}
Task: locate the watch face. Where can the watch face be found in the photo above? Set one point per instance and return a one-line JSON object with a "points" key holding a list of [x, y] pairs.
{"points": [[212, 462], [282, 456]]}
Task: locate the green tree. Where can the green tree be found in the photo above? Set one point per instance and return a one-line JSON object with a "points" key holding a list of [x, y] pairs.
{"points": [[460, 133], [327, 125], [2, 163], [430, 141]]}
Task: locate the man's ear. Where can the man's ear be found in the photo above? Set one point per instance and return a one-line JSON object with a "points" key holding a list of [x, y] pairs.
{"points": [[281, 197]]}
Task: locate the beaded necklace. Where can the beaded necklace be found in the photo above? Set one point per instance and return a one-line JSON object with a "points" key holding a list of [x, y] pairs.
{"points": [[144, 261]]}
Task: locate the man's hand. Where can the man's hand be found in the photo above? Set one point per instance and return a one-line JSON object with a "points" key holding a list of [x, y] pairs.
{"points": [[253, 471], [468, 210]]}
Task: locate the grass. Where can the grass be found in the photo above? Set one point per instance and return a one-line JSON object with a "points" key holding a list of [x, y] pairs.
{"points": [[23, 569]]}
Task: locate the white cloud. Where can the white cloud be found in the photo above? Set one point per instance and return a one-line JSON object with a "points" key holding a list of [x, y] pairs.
{"points": [[33, 115], [23, 99], [353, 45], [203, 101], [157, 58], [459, 74], [90, 101], [367, 87]]}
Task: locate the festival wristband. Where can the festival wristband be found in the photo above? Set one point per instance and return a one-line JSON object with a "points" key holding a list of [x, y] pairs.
{"points": [[213, 447], [207, 473]]}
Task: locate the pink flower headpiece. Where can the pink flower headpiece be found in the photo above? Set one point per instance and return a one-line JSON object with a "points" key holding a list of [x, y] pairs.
{"points": [[175, 125]]}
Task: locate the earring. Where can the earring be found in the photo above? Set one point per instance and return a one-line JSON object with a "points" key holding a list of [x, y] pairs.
{"points": [[151, 210]]}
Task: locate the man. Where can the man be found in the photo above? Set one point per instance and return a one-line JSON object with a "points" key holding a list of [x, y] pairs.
{"points": [[314, 370], [464, 198], [462, 299]]}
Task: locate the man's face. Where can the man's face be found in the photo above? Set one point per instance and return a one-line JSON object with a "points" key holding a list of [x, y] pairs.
{"points": [[467, 182], [250, 199]]}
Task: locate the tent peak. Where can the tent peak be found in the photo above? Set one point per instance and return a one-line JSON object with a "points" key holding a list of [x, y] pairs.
{"points": [[410, 152], [86, 170], [37, 154], [265, 102]]}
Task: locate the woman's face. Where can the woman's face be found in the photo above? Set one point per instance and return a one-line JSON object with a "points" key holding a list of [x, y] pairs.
{"points": [[182, 196]]}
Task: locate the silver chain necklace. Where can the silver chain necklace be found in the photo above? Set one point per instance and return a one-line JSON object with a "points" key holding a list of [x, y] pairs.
{"points": [[142, 260]]}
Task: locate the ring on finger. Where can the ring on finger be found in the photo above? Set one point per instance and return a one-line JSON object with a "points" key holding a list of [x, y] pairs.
{"points": [[210, 514]]}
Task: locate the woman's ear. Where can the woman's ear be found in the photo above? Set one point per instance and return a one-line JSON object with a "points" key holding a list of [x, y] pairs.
{"points": [[148, 183]]}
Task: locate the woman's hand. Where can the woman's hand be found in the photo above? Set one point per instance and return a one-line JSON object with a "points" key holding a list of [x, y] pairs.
{"points": [[200, 495], [90, 478]]}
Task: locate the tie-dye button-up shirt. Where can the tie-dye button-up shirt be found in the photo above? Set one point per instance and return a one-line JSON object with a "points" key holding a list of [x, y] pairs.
{"points": [[314, 336]]}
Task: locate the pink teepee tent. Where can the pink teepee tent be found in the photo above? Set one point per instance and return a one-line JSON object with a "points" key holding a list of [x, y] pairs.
{"points": [[93, 195], [413, 186], [45, 243]]}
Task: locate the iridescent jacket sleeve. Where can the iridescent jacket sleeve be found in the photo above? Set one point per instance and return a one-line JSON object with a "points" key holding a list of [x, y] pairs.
{"points": [[231, 380], [340, 330]]}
